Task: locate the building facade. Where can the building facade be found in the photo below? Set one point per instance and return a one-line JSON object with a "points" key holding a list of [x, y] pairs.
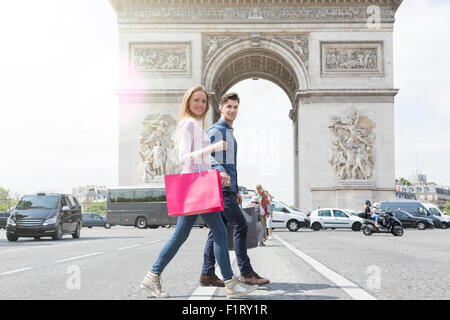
{"points": [[87, 195], [424, 191]]}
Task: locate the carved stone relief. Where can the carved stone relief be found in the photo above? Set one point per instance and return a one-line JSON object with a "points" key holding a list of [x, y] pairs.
{"points": [[352, 58], [298, 43], [157, 149], [213, 43], [352, 147], [249, 13], [160, 58]]}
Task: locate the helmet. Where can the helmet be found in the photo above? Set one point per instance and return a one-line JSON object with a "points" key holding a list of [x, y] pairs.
{"points": [[368, 203], [376, 206]]}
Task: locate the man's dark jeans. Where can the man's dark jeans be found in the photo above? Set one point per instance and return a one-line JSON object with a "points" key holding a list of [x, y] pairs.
{"points": [[232, 214]]}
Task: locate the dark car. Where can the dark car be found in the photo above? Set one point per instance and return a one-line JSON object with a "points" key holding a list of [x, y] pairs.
{"points": [[414, 208], [45, 215], [410, 221], [92, 219], [3, 218]]}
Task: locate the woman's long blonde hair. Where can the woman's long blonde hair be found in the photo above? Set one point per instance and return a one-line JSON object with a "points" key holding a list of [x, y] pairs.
{"points": [[186, 113]]}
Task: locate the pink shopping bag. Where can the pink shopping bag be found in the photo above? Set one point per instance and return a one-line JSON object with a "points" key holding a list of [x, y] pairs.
{"points": [[193, 193]]}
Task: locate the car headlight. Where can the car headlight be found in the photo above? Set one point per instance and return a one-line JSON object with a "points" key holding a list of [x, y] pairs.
{"points": [[50, 221], [10, 222]]}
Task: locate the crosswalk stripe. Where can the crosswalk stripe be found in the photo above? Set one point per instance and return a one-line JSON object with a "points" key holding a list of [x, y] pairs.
{"points": [[349, 287]]}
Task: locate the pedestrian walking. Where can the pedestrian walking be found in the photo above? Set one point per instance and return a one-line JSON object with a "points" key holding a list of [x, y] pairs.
{"points": [[225, 162], [270, 216], [194, 150], [264, 209]]}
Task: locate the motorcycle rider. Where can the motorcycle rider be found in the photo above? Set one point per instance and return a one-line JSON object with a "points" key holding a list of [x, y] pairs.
{"points": [[384, 220], [372, 215]]}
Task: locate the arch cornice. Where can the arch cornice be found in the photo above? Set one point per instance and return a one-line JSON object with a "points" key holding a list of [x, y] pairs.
{"points": [[251, 11], [117, 4]]}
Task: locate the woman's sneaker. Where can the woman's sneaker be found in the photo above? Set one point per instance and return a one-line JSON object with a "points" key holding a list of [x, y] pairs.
{"points": [[152, 283], [234, 288]]}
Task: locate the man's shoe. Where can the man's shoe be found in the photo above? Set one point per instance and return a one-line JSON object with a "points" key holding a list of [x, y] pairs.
{"points": [[253, 278], [211, 280], [261, 244], [235, 288], [152, 283]]}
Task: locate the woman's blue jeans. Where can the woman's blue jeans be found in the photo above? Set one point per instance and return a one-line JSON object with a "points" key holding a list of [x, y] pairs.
{"points": [[375, 217], [184, 226]]}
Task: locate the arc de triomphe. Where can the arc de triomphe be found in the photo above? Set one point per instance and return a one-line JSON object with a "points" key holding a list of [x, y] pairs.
{"points": [[333, 58]]}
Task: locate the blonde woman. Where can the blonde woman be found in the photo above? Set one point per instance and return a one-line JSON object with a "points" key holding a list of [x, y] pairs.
{"points": [[194, 151]]}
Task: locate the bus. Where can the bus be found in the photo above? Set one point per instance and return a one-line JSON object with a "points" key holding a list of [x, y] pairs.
{"points": [[140, 206]]}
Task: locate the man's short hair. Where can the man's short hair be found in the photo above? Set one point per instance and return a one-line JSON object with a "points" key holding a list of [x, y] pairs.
{"points": [[229, 96]]}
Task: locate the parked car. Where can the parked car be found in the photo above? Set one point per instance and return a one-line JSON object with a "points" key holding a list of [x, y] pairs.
{"points": [[45, 215], [351, 212], [3, 218], [414, 208], [93, 219], [286, 217], [334, 218], [434, 210], [410, 221]]}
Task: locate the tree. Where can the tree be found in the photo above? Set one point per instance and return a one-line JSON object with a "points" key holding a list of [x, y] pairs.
{"points": [[447, 208], [98, 207], [403, 182], [6, 201]]}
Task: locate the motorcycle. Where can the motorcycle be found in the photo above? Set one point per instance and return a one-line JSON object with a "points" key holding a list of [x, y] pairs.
{"points": [[390, 224]]}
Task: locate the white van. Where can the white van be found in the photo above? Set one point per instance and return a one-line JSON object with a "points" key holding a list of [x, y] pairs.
{"points": [[434, 210]]}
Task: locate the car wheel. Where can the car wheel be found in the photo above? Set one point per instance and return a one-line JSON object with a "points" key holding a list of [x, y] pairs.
{"points": [[316, 226], [59, 233], [293, 225], [76, 234], [421, 226], [444, 225], [12, 237], [356, 226], [107, 226], [141, 223], [37, 238]]}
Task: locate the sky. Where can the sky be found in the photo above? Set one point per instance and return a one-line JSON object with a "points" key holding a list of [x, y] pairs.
{"points": [[59, 112]]}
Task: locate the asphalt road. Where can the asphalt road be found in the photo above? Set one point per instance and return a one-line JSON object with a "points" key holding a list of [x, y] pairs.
{"points": [[325, 265]]}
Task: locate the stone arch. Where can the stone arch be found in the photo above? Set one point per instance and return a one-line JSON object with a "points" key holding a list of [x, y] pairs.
{"points": [[263, 58]]}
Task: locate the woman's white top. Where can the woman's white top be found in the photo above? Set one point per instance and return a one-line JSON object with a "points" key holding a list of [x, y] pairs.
{"points": [[191, 140]]}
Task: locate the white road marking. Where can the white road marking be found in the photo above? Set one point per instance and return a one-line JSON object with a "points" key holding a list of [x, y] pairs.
{"points": [[138, 245], [206, 293], [129, 247], [79, 257], [15, 271], [349, 287], [154, 241]]}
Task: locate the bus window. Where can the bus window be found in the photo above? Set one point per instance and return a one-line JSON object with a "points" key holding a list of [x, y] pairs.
{"points": [[121, 196], [149, 195], [159, 195]]}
